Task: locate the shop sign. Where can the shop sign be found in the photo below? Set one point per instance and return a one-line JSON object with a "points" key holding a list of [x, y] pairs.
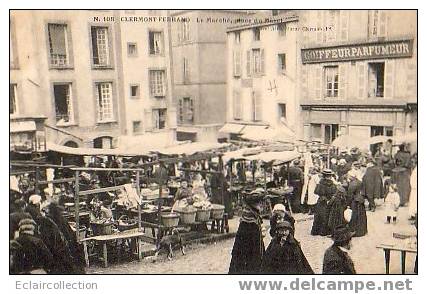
{"points": [[371, 118], [389, 49]]}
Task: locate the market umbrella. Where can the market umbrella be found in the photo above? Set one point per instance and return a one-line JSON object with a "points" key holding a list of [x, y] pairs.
{"points": [[282, 134]]}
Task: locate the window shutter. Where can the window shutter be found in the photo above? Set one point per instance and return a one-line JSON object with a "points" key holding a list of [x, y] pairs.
{"points": [[304, 81], [362, 73], [411, 78], [318, 82], [148, 122], [262, 62], [344, 19], [165, 84], [155, 117], [342, 80], [248, 63], [382, 31], [258, 106], [389, 79], [238, 64], [180, 109]]}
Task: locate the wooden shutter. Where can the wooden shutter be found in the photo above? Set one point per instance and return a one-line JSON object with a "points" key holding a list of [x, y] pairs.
{"points": [[389, 79], [318, 74], [382, 23], [148, 122], [239, 63], [344, 19], [304, 82], [258, 106], [262, 62], [180, 110], [342, 80], [236, 63], [411, 78], [248, 63], [237, 105], [362, 80]]}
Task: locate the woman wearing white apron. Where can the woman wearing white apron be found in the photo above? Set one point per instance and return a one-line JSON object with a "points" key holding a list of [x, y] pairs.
{"points": [[314, 179], [413, 195]]}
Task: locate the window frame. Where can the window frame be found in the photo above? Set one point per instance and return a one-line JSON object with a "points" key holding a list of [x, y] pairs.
{"points": [[165, 81], [156, 127], [110, 50], [334, 83], [68, 43], [72, 104], [113, 102], [256, 34], [282, 32], [140, 131], [254, 63], [129, 54], [370, 64], [162, 40], [138, 95], [280, 63]]}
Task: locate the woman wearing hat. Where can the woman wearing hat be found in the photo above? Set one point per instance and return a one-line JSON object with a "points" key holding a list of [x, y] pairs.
{"points": [[336, 260], [358, 222], [248, 248], [284, 254], [279, 215], [337, 206], [325, 190]]}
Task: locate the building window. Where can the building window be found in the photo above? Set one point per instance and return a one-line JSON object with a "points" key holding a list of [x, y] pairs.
{"points": [[185, 70], [137, 127], [237, 105], [331, 133], [157, 83], [132, 50], [316, 131], [256, 106], [256, 61], [376, 79], [237, 68], [103, 142], [237, 37], [186, 110], [58, 45], [104, 93], [257, 34], [13, 106], [155, 40], [377, 24], [63, 103], [134, 91], [282, 62], [331, 81], [282, 111], [100, 46], [281, 28], [185, 31], [159, 118]]}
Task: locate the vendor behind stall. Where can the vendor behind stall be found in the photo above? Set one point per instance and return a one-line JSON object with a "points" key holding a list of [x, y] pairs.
{"points": [[184, 196]]}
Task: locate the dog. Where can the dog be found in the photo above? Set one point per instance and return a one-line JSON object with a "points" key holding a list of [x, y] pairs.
{"points": [[170, 242]]}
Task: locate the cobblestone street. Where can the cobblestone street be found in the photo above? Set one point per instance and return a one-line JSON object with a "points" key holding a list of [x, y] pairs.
{"points": [[215, 258]]}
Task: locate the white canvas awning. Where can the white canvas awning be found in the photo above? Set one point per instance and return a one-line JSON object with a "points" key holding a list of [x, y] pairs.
{"points": [[262, 133], [22, 126], [231, 128], [191, 148]]}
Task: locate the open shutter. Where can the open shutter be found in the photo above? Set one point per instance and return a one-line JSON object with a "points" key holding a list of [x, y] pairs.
{"points": [[382, 31], [389, 79], [171, 117], [344, 19], [318, 82], [180, 110], [148, 122], [258, 106], [248, 63], [262, 62], [237, 105], [239, 63], [342, 86], [362, 75], [236, 63]]}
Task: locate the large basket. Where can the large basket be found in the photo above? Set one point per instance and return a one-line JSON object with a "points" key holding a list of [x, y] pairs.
{"points": [[203, 215], [170, 220], [217, 211], [187, 217], [124, 223], [102, 228]]}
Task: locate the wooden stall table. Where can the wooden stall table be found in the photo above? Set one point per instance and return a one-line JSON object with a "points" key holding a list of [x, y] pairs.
{"points": [[103, 239], [400, 248]]}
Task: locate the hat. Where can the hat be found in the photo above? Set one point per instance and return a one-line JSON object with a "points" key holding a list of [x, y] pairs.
{"points": [[279, 207], [342, 161], [284, 225], [296, 162], [35, 199], [253, 198], [327, 172], [342, 233]]}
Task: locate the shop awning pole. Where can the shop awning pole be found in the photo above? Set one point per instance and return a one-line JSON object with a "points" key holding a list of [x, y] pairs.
{"points": [[138, 192], [76, 204], [37, 190]]}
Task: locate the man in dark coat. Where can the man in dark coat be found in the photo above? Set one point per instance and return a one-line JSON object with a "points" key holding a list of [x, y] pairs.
{"points": [[336, 260], [284, 254], [16, 216], [248, 248], [325, 190], [296, 181], [372, 184]]}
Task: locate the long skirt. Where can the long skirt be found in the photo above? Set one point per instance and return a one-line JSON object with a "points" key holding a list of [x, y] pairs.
{"points": [[359, 222], [321, 218], [336, 216], [402, 180]]}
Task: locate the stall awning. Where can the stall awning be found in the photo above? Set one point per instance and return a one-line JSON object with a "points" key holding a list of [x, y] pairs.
{"points": [[231, 128], [22, 126], [284, 156], [262, 133], [93, 151], [191, 148]]}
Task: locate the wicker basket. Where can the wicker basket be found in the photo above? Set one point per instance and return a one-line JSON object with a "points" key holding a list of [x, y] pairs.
{"points": [[203, 215], [187, 217], [217, 211], [170, 220], [124, 223], [102, 228]]}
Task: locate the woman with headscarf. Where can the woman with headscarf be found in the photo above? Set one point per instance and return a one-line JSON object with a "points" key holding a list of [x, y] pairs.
{"points": [[279, 215], [248, 248], [284, 254], [358, 222], [337, 206]]}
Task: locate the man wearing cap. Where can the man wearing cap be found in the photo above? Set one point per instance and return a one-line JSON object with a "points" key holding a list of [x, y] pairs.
{"points": [[248, 248], [336, 260], [372, 184], [296, 181], [284, 254]]}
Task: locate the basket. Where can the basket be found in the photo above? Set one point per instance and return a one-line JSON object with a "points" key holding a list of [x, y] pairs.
{"points": [[217, 211], [187, 216], [124, 223], [170, 220], [102, 228], [203, 215]]}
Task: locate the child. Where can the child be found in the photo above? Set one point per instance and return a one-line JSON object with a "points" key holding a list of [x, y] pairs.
{"points": [[392, 202]]}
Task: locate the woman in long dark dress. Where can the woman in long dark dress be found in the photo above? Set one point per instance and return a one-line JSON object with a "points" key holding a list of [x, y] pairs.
{"points": [[248, 249], [284, 254], [358, 222], [337, 207], [325, 189]]}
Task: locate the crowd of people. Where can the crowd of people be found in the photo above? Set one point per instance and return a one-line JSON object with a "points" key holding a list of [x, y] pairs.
{"points": [[335, 191]]}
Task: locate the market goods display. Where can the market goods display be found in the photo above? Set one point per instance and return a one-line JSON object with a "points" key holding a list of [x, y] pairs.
{"points": [[217, 211], [187, 215], [170, 220]]}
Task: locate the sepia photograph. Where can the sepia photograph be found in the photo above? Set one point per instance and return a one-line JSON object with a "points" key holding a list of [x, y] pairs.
{"points": [[213, 142]]}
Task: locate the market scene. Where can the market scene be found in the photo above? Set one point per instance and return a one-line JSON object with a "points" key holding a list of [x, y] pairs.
{"points": [[166, 145]]}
